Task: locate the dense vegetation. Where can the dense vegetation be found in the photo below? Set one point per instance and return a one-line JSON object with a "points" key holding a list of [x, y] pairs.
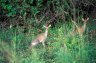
{"points": [[22, 20]]}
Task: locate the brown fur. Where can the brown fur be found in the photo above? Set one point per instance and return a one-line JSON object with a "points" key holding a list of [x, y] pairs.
{"points": [[80, 29], [40, 38]]}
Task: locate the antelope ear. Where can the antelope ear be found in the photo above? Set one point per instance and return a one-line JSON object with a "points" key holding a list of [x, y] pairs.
{"points": [[44, 26], [83, 19], [49, 26], [87, 19]]}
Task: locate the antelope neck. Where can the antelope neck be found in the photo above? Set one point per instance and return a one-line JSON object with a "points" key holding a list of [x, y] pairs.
{"points": [[46, 32], [84, 25]]}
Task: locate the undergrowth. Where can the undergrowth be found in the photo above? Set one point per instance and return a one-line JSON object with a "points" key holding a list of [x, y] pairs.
{"points": [[61, 46]]}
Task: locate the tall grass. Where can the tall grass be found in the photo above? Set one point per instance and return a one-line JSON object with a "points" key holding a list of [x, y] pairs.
{"points": [[61, 46]]}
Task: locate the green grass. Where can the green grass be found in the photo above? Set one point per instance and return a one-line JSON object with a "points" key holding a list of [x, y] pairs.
{"points": [[61, 46]]}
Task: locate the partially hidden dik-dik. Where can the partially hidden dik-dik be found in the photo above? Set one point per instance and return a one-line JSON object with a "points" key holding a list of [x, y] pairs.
{"points": [[80, 29]]}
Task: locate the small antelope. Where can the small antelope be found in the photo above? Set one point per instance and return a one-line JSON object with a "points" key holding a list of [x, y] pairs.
{"points": [[40, 38], [80, 29]]}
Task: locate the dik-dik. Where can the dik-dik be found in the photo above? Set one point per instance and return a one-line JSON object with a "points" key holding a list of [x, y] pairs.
{"points": [[80, 29], [41, 37]]}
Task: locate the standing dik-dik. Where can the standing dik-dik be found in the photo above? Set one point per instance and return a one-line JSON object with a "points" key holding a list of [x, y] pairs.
{"points": [[40, 38], [80, 29]]}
